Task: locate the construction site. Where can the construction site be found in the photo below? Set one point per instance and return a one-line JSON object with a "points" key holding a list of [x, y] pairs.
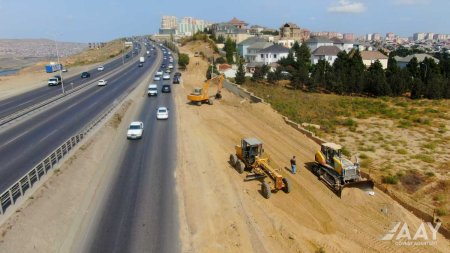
{"points": [[233, 215]]}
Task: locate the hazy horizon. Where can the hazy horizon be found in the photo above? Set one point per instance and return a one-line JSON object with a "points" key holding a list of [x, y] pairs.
{"points": [[100, 21]]}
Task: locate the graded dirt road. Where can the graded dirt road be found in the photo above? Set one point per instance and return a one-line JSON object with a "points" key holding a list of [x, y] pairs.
{"points": [[219, 212]]}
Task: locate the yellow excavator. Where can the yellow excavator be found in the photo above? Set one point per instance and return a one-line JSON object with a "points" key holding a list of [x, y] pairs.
{"points": [[337, 171], [250, 156], [201, 95]]}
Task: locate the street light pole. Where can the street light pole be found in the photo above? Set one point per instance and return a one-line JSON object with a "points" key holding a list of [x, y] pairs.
{"points": [[123, 52], [60, 69]]}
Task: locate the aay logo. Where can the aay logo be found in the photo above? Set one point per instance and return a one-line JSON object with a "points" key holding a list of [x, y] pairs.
{"points": [[403, 235]]}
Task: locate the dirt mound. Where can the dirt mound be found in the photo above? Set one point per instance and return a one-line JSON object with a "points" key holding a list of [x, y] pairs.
{"points": [[220, 212]]}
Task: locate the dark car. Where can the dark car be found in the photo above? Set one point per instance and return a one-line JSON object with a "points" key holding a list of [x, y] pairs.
{"points": [[177, 74], [165, 88], [176, 80], [127, 56], [141, 64], [85, 75], [163, 66]]}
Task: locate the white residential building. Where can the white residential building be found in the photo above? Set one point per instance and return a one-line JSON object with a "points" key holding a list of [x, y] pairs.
{"points": [[316, 42], [273, 54], [328, 53]]}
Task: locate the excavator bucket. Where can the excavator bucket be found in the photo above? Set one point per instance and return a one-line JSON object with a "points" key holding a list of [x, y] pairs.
{"points": [[365, 185]]}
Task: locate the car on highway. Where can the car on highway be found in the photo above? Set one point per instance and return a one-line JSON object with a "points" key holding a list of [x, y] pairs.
{"points": [[177, 74], [159, 73], [165, 88], [152, 90], [64, 70], [140, 64], [166, 77], [162, 113], [100, 68], [170, 66], [135, 130], [54, 81], [168, 71], [157, 78], [85, 75], [102, 82], [127, 56], [176, 80], [163, 65]]}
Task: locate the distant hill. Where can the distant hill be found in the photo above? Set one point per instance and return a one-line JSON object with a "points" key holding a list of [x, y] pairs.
{"points": [[19, 53]]}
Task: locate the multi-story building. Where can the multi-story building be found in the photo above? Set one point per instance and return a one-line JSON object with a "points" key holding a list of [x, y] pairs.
{"points": [[238, 23], [441, 37], [292, 31], [328, 35], [429, 36], [188, 26], [349, 36], [169, 22], [390, 36], [368, 37], [376, 37], [419, 36]]}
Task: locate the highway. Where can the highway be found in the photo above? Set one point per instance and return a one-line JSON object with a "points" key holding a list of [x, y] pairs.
{"points": [[19, 102], [30, 140], [140, 212]]}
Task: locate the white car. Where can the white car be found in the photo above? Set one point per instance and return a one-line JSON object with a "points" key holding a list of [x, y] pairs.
{"points": [[102, 82], [170, 66], [159, 73], [152, 90], [135, 130], [100, 68], [166, 77], [157, 78], [162, 113]]}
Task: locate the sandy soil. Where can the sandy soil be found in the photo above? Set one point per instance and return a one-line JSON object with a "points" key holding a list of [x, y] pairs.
{"points": [[219, 212]]}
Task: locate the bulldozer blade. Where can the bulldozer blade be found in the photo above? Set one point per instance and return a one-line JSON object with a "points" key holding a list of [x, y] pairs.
{"points": [[250, 177], [366, 185]]}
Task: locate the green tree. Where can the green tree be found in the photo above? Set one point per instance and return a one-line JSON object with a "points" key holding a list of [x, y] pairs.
{"points": [[220, 39], [220, 60], [230, 49], [355, 74], [417, 88], [214, 69], [413, 67], [376, 83], [240, 74], [260, 73], [320, 75], [183, 61]]}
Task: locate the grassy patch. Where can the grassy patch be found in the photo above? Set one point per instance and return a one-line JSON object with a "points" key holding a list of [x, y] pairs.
{"points": [[424, 158], [441, 212], [402, 151], [390, 179]]}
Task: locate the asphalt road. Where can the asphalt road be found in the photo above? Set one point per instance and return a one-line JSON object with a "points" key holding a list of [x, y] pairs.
{"points": [[32, 139], [22, 101], [140, 212]]}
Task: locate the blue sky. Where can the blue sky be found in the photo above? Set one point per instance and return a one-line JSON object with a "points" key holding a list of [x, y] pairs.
{"points": [[103, 20]]}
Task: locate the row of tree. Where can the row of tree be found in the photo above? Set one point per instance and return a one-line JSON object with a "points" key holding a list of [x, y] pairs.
{"points": [[349, 75]]}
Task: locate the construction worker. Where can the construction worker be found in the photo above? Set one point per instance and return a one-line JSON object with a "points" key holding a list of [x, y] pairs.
{"points": [[293, 165]]}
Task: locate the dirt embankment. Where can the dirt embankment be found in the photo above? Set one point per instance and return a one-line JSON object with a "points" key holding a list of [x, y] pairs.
{"points": [[219, 212]]}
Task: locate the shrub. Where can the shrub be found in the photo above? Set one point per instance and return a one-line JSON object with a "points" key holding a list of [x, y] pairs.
{"points": [[183, 61], [441, 212], [424, 158], [390, 179], [346, 152], [402, 151], [429, 174]]}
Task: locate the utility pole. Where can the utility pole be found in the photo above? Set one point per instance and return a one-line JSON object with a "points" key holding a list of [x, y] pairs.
{"points": [[60, 69]]}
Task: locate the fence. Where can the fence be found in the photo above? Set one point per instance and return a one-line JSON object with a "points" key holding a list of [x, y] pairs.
{"points": [[444, 230]]}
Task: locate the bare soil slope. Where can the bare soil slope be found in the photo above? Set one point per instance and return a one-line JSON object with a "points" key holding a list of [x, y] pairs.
{"points": [[219, 212]]}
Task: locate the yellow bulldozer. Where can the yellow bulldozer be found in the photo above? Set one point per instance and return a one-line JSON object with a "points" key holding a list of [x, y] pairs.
{"points": [[250, 156], [201, 95], [337, 171]]}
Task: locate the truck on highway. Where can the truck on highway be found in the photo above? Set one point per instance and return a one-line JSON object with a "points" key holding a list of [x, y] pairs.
{"points": [[141, 59], [52, 67]]}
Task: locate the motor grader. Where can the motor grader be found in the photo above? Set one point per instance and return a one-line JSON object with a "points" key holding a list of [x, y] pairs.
{"points": [[250, 156], [201, 95], [337, 171]]}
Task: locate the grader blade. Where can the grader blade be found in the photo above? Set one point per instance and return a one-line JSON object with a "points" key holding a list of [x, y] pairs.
{"points": [[365, 185], [254, 176]]}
